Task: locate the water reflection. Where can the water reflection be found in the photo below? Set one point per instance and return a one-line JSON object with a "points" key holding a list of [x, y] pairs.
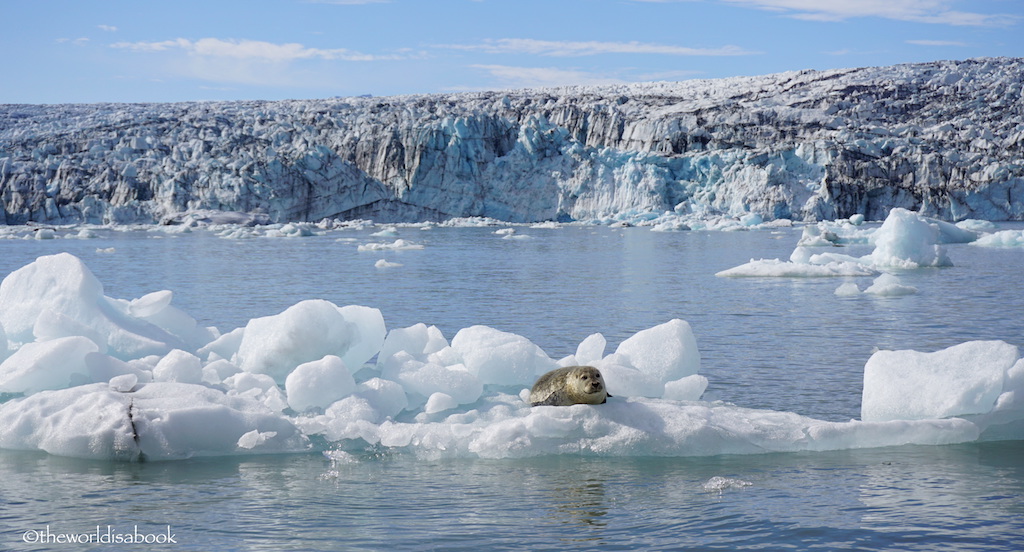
{"points": [[966, 495]]}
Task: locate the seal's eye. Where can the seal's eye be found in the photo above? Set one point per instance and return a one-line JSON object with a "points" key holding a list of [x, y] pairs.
{"points": [[583, 376]]}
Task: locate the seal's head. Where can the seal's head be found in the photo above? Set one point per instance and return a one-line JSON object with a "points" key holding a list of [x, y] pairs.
{"points": [[586, 385]]}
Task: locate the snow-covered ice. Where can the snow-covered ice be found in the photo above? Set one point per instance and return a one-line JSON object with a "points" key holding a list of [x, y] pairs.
{"points": [[87, 375], [1005, 238], [983, 379]]}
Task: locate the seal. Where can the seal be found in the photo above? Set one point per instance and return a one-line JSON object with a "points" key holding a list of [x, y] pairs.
{"points": [[569, 385]]}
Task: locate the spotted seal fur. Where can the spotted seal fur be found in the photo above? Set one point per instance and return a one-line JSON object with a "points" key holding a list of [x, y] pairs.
{"points": [[569, 385]]}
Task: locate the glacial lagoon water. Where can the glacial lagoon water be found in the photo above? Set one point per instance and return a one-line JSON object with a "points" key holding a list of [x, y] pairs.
{"points": [[782, 344]]}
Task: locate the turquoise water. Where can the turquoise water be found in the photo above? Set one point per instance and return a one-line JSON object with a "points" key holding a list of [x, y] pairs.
{"points": [[780, 344]]}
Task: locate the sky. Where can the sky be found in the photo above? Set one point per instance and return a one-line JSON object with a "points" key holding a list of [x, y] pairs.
{"points": [[86, 51]]}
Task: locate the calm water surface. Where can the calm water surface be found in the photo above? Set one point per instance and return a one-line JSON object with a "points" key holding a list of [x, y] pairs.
{"points": [[783, 344]]}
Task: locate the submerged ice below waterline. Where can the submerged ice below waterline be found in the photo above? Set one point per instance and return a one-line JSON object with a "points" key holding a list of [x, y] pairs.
{"points": [[165, 386]]}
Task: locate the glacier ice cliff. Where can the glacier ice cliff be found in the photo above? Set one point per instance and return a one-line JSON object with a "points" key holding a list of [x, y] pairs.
{"points": [[942, 138]]}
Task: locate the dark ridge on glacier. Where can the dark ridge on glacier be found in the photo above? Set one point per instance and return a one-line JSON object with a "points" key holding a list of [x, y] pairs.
{"points": [[944, 138]]}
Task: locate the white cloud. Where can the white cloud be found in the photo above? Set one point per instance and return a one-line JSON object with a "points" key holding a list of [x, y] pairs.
{"points": [[108, 28], [251, 50], [539, 77], [588, 48], [667, 76], [921, 11], [252, 62], [937, 42]]}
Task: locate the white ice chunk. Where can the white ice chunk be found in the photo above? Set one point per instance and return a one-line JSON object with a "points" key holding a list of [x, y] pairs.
{"points": [[306, 331], [368, 333], [1005, 238], [179, 366], [501, 358], [418, 340], [255, 438], [908, 240], [225, 346], [385, 397], [667, 351], [977, 226], [591, 349], [439, 402], [386, 232], [1006, 421], [568, 361], [426, 378], [847, 289], [246, 383], [54, 325], [319, 383], [911, 385], [397, 245], [150, 304], [889, 285], [774, 268], [179, 324], [123, 383], [218, 371], [160, 421], [54, 364], [622, 379], [61, 289], [689, 388], [104, 368], [818, 236]]}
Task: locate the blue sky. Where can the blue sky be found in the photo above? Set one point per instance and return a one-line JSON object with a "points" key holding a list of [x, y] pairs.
{"points": [[72, 51]]}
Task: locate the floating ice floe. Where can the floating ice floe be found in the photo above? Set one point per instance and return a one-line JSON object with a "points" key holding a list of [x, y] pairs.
{"points": [[290, 230], [86, 375], [511, 234], [398, 244], [905, 240], [1005, 238], [886, 285]]}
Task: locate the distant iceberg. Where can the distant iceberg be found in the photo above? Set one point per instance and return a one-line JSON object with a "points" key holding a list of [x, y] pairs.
{"points": [[906, 240]]}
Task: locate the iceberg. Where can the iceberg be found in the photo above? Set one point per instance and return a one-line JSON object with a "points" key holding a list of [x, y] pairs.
{"points": [[906, 240], [1005, 238], [159, 421], [322, 377]]}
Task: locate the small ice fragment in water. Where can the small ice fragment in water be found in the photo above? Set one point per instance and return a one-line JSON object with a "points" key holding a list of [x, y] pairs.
{"points": [[255, 438], [719, 484]]}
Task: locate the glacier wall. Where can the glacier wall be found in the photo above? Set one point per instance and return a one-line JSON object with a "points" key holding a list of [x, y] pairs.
{"points": [[942, 138]]}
